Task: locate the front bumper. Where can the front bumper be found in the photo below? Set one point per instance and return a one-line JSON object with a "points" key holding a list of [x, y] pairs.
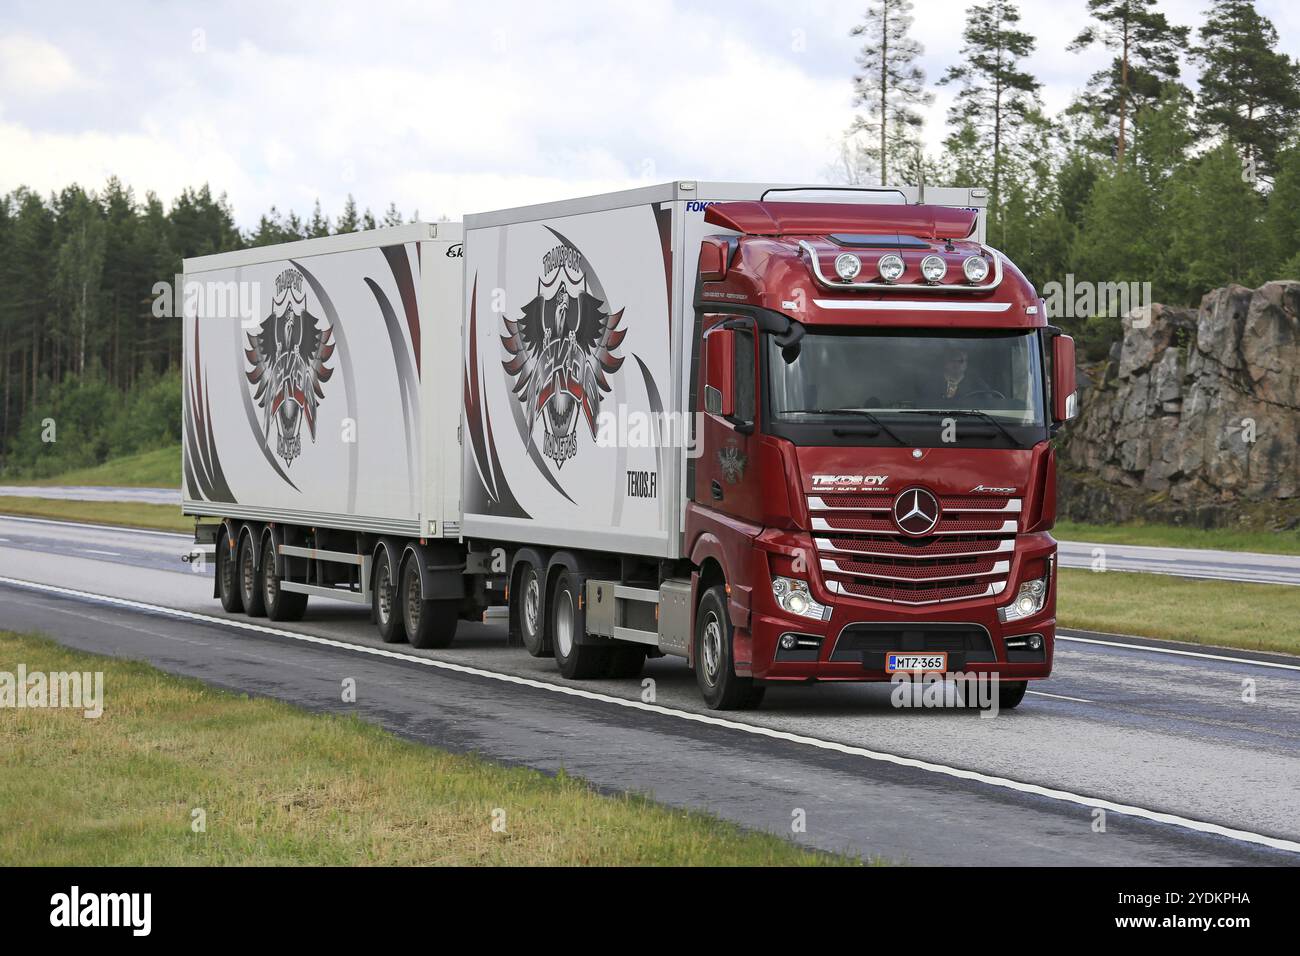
{"points": [[851, 644]]}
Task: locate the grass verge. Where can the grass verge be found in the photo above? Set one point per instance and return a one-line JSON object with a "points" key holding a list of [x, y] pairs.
{"points": [[125, 513], [279, 785], [150, 469], [1176, 536], [1258, 617]]}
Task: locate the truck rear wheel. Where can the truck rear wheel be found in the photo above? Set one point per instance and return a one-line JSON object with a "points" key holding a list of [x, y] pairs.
{"points": [[250, 588], [384, 600], [429, 624], [715, 669], [531, 626], [1011, 693], [575, 661], [281, 605], [228, 576]]}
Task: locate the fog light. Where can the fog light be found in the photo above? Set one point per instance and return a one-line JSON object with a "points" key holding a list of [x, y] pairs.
{"points": [[788, 641], [891, 267], [976, 268], [1035, 642], [933, 268], [847, 266]]}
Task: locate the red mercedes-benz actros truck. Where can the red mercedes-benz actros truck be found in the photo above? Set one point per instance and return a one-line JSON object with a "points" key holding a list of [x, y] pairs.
{"points": [[785, 435]]}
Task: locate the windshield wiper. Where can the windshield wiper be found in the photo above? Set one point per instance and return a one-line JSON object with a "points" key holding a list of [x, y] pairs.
{"points": [[976, 412], [860, 412]]}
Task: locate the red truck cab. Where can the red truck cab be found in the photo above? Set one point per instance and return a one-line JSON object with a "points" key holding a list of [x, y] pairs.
{"points": [[876, 483]]}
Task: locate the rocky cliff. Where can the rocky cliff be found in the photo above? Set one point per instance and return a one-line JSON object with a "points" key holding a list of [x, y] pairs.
{"points": [[1195, 414]]}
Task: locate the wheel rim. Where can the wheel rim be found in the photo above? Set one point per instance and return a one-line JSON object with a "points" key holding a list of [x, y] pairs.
{"points": [[564, 623], [532, 601], [384, 593], [711, 649], [271, 584], [413, 600], [246, 571]]}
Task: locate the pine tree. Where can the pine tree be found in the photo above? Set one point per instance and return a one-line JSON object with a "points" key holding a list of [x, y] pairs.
{"points": [[1147, 51], [997, 97], [348, 221], [391, 216], [1249, 91], [320, 223], [890, 85], [367, 219]]}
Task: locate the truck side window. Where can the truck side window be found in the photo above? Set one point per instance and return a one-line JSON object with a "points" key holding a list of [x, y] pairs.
{"points": [[745, 393]]}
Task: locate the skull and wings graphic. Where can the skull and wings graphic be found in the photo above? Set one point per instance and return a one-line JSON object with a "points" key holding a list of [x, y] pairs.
{"points": [[561, 350], [288, 354]]}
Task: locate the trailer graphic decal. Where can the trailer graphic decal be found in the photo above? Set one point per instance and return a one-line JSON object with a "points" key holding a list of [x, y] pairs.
{"points": [[288, 355], [561, 349], [204, 478]]}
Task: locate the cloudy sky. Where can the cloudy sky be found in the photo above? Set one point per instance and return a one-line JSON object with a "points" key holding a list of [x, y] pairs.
{"points": [[458, 107]]}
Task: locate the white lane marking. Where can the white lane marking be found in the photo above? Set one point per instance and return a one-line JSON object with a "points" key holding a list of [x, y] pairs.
{"points": [[111, 554], [1064, 796], [93, 527], [1181, 653], [1077, 700]]}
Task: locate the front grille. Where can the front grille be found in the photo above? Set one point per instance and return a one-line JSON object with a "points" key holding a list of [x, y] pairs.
{"points": [[862, 554], [964, 643]]}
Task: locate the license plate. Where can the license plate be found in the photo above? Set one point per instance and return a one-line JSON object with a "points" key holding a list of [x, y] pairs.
{"points": [[896, 663]]}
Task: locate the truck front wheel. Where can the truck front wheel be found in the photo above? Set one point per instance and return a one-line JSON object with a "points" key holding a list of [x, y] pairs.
{"points": [[1011, 693], [715, 669], [429, 624], [575, 661], [232, 601]]}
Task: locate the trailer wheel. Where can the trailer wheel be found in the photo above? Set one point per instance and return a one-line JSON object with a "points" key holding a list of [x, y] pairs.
{"points": [[531, 626], [575, 661], [384, 601], [625, 662], [228, 576], [250, 588], [429, 624], [281, 605], [1011, 693], [715, 669]]}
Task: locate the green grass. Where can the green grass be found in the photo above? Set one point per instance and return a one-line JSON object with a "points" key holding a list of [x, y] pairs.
{"points": [[124, 513], [279, 785], [150, 469], [1174, 536], [1258, 617]]}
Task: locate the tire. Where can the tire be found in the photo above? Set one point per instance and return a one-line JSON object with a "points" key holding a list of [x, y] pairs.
{"points": [[250, 585], [281, 605], [625, 662], [232, 601], [532, 625], [385, 603], [575, 661], [715, 669], [428, 624], [1011, 693]]}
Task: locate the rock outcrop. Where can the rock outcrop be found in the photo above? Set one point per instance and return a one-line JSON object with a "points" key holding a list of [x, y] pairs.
{"points": [[1194, 408]]}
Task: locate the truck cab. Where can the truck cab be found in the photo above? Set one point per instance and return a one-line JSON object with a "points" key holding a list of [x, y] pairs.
{"points": [[876, 485]]}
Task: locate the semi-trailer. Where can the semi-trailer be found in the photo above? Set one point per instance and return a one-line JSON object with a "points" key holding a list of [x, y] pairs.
{"points": [[783, 433]]}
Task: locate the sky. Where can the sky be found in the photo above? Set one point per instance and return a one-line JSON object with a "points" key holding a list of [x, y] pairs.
{"points": [[454, 107]]}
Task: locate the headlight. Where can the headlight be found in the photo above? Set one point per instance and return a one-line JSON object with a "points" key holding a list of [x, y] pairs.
{"points": [[794, 597], [890, 267], [1029, 600], [933, 268], [976, 268], [847, 266]]}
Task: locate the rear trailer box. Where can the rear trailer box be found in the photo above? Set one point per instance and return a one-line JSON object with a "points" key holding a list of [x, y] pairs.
{"points": [[321, 382], [579, 352]]}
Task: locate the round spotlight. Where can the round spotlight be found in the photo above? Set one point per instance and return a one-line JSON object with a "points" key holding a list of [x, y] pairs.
{"points": [[797, 602], [891, 267], [788, 641], [1035, 642], [976, 268], [847, 266], [933, 268]]}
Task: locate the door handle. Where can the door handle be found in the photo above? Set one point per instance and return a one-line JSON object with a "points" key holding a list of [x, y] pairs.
{"points": [[716, 488]]}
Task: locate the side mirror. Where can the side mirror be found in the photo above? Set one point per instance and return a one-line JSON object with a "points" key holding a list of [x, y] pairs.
{"points": [[1065, 399], [720, 372], [713, 259]]}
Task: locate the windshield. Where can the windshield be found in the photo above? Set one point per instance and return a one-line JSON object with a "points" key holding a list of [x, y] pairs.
{"points": [[894, 382]]}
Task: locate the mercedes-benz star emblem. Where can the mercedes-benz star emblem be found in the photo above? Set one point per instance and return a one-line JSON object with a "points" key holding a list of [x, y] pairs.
{"points": [[916, 512]]}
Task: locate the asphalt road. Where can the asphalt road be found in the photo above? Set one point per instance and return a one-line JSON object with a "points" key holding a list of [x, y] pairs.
{"points": [[146, 496], [1184, 562], [1156, 735]]}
